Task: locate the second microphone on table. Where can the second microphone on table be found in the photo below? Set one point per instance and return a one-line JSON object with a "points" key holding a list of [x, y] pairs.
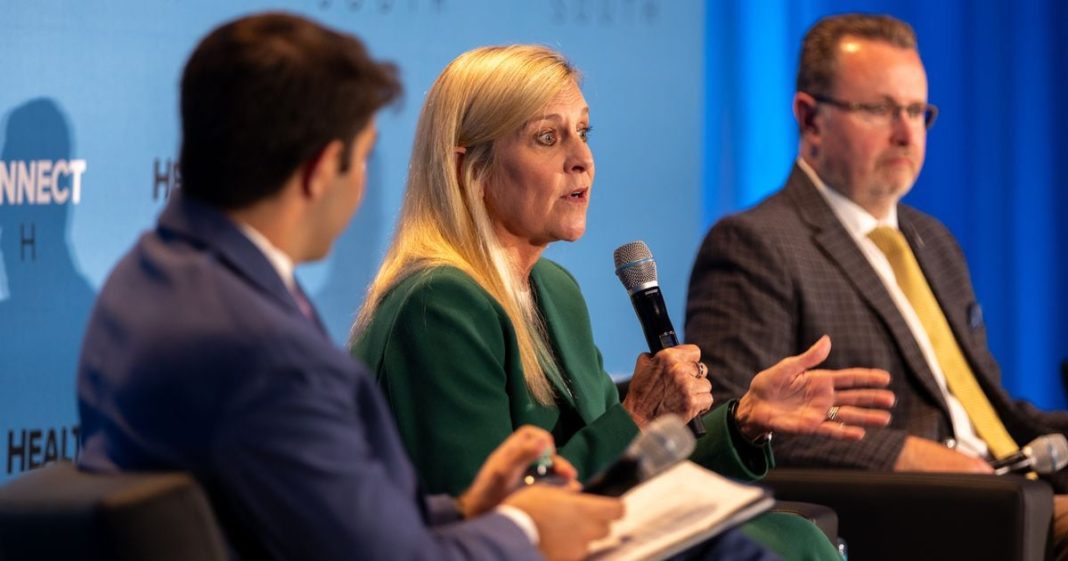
{"points": [[1045, 454], [664, 443]]}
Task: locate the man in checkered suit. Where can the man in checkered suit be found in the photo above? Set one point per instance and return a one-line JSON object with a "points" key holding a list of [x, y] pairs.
{"points": [[804, 263]]}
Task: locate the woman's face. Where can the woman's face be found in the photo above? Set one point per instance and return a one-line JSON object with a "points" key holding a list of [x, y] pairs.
{"points": [[539, 190]]}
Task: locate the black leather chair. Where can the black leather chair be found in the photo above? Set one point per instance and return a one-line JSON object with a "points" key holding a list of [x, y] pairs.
{"points": [[893, 516], [59, 513]]}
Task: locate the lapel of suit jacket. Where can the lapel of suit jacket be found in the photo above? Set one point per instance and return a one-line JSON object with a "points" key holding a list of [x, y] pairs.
{"points": [[838, 245], [943, 289], [210, 229], [563, 324]]}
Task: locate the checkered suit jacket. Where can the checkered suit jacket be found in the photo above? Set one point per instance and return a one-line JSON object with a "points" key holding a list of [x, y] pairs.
{"points": [[770, 281]]}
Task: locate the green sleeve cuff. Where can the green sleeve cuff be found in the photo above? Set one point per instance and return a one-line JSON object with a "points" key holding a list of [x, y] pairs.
{"points": [[725, 451]]}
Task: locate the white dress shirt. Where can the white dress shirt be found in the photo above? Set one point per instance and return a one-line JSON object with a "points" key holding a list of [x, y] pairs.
{"points": [[859, 223]]}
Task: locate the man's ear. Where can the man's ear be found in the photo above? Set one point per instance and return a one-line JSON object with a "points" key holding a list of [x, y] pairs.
{"points": [[320, 171], [805, 110]]}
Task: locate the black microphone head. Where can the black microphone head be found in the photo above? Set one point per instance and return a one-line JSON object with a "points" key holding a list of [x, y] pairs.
{"points": [[635, 266], [1048, 453], [665, 442]]}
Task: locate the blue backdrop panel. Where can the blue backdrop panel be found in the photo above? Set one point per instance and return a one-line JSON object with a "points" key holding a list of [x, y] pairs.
{"points": [[995, 169], [90, 133], [691, 107]]}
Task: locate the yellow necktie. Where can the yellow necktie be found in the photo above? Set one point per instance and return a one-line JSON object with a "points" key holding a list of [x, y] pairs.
{"points": [[959, 376]]}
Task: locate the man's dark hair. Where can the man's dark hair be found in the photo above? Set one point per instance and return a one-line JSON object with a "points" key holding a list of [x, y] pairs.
{"points": [[819, 56], [263, 94]]}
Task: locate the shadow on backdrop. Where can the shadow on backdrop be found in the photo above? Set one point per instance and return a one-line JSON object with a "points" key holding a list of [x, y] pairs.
{"points": [[44, 299]]}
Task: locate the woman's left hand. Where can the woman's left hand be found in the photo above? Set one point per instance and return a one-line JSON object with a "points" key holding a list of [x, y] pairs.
{"points": [[790, 398]]}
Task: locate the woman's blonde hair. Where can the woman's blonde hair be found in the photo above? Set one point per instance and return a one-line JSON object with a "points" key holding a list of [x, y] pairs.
{"points": [[482, 96]]}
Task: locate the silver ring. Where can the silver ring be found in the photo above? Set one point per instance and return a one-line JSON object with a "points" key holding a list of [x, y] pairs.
{"points": [[702, 370], [832, 413]]}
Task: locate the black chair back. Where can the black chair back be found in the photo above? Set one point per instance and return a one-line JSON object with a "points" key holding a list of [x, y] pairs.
{"points": [[894, 516], [57, 512]]}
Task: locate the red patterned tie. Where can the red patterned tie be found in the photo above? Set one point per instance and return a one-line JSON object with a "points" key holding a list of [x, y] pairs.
{"points": [[302, 302]]}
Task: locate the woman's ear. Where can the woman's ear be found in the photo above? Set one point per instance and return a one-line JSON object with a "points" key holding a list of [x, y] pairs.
{"points": [[460, 152]]}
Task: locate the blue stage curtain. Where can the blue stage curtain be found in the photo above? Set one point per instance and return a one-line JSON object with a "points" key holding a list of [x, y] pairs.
{"points": [[997, 160]]}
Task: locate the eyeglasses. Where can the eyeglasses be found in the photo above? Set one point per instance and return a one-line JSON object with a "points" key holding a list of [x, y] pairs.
{"points": [[884, 112]]}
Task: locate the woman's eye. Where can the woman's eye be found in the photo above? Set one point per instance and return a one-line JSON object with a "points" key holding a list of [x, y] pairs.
{"points": [[584, 133], [548, 138]]}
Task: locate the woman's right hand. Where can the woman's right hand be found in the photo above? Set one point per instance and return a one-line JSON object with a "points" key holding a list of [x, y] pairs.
{"points": [[671, 381]]}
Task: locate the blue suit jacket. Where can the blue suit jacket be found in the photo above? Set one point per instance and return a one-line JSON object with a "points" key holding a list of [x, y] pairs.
{"points": [[197, 358]]}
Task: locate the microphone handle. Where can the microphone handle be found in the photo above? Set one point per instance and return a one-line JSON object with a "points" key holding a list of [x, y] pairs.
{"points": [[1010, 461], [615, 480], [659, 333], [1019, 465]]}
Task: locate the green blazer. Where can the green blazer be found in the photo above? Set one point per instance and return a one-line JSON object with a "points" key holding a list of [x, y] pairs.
{"points": [[445, 354], [446, 357]]}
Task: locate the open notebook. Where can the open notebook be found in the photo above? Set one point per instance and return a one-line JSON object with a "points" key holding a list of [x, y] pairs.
{"points": [[682, 506]]}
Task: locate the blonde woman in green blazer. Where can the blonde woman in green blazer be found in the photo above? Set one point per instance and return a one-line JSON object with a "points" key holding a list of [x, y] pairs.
{"points": [[472, 334]]}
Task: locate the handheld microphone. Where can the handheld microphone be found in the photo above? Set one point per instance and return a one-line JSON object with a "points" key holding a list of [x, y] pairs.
{"points": [[637, 271], [664, 443], [1045, 454]]}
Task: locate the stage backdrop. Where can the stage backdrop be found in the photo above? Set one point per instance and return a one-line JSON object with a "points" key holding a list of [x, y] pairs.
{"points": [[690, 104], [90, 134]]}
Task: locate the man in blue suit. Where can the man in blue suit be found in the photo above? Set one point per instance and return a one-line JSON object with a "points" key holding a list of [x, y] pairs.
{"points": [[202, 353]]}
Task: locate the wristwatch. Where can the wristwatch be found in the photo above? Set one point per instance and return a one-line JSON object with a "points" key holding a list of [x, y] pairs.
{"points": [[760, 441]]}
